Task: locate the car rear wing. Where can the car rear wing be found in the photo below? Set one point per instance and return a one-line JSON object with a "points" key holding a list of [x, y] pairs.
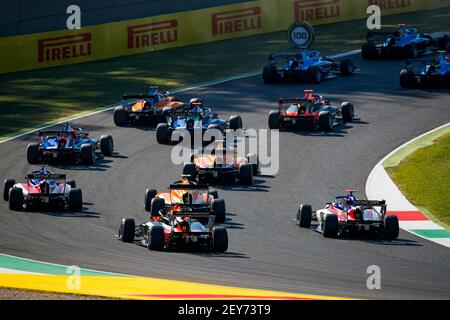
{"points": [[382, 33], [295, 100], [137, 96], [179, 112], [47, 176], [365, 203], [192, 214], [188, 187], [57, 133], [284, 56]]}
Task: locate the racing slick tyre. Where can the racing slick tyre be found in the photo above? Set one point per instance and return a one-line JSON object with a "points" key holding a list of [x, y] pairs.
{"points": [[155, 238], [75, 199], [9, 183], [246, 174], [119, 117], [314, 74], [235, 122], [87, 154], [33, 153], [16, 199], [149, 195], [347, 67], [190, 169], [304, 216], [444, 43], [127, 230], [407, 79], [270, 75], [368, 51], [218, 207], [412, 52], [72, 184], [162, 133], [155, 205], [391, 227], [214, 193], [325, 121], [106, 145], [447, 78], [219, 239], [274, 119], [348, 112], [253, 160], [331, 226]]}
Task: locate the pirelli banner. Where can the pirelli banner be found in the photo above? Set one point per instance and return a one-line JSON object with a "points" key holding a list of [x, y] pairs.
{"points": [[42, 50]]}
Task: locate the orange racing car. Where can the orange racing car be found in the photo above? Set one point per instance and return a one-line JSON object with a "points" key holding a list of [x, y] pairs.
{"points": [[150, 107]]}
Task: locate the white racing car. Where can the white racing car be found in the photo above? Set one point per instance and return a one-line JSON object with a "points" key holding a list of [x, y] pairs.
{"points": [[347, 215], [43, 187]]}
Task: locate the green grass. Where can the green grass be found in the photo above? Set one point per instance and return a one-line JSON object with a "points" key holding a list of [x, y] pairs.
{"points": [[30, 99], [424, 178]]}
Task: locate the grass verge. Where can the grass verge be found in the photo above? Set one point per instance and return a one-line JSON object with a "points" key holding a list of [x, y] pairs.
{"points": [[424, 178], [21, 294], [31, 99]]}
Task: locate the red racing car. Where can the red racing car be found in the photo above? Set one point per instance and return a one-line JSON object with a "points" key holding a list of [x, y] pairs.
{"points": [[311, 112]]}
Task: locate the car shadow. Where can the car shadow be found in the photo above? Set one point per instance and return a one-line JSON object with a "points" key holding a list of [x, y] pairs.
{"points": [[58, 212], [339, 131], [258, 186], [204, 252], [101, 164]]}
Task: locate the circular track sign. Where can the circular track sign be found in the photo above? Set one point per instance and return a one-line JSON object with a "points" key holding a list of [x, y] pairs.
{"points": [[301, 35]]}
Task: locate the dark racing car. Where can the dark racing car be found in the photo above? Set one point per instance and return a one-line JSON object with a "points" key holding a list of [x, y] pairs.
{"points": [[347, 215], [404, 42], [305, 66], [310, 112], [68, 143], [187, 222], [196, 117], [427, 72]]}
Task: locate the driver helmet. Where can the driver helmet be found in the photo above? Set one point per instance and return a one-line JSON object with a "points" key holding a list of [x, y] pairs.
{"points": [[325, 101], [195, 103]]}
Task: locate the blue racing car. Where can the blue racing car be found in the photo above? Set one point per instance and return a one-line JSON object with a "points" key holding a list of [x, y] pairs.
{"points": [[305, 66], [70, 144], [402, 42], [426, 72], [196, 116]]}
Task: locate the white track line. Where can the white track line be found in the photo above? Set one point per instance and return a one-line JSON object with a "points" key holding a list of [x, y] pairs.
{"points": [[202, 85]]}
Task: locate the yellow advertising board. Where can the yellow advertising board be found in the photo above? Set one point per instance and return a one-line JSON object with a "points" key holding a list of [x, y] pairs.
{"points": [[56, 48]]}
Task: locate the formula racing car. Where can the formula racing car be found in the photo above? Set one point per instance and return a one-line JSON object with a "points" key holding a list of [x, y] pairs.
{"points": [[149, 107], [196, 117], [310, 112], [43, 187], [426, 72], [222, 163], [70, 144], [305, 66], [155, 201], [402, 42], [347, 215], [187, 221]]}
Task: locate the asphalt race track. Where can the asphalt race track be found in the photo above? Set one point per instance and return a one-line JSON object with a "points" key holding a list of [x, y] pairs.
{"points": [[267, 250]]}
